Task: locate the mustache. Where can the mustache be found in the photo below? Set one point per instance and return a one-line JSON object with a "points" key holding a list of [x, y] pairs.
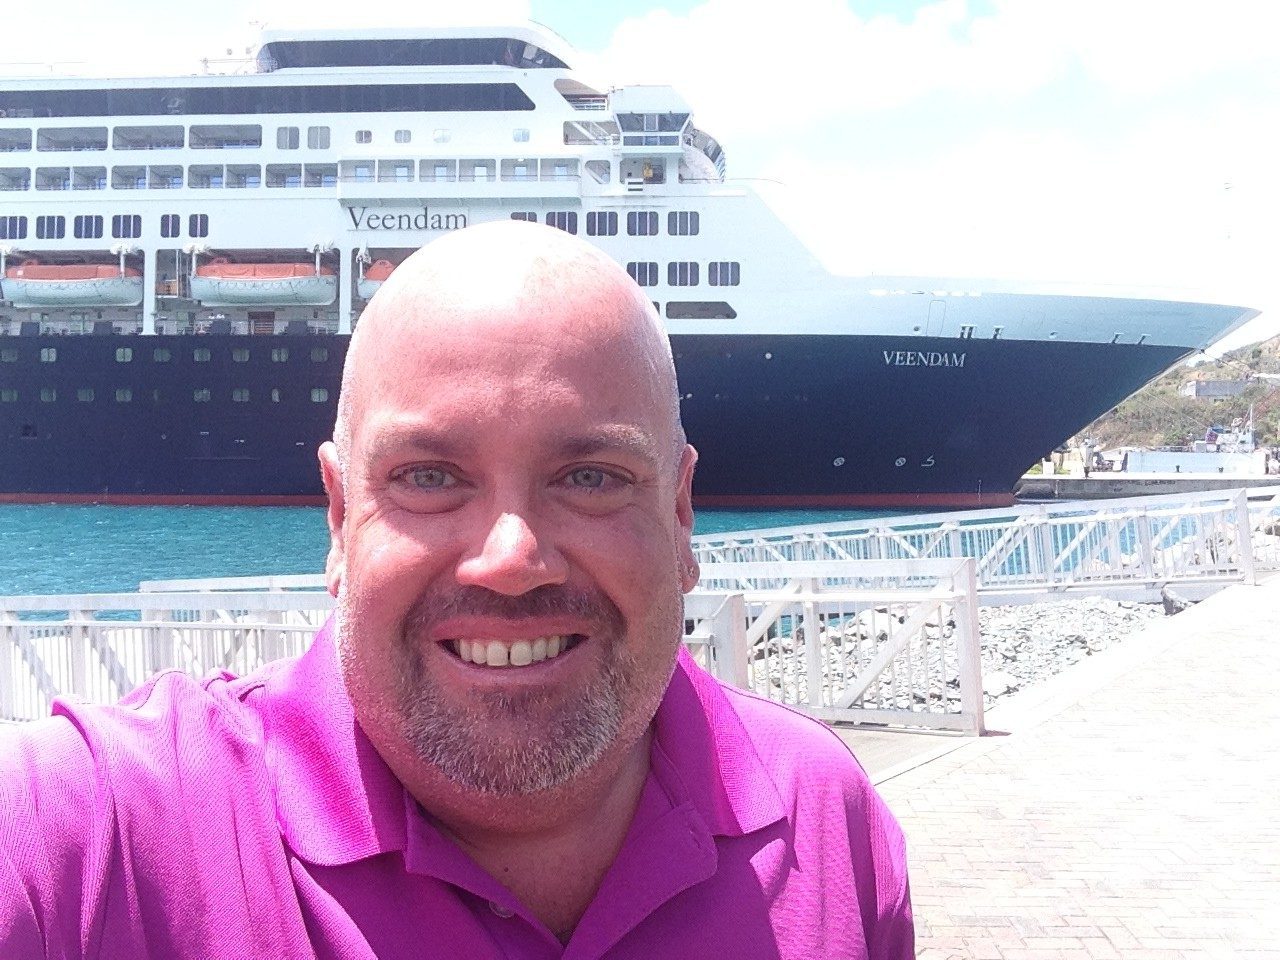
{"points": [[547, 600]]}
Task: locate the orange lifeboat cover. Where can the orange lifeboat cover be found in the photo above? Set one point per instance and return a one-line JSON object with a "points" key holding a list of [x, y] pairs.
{"points": [[379, 270], [222, 270], [68, 271]]}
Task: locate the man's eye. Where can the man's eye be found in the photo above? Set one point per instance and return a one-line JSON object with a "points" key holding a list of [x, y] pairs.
{"points": [[588, 478], [427, 478]]}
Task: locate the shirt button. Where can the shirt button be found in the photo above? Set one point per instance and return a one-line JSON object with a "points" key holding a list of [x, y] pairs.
{"points": [[500, 911]]}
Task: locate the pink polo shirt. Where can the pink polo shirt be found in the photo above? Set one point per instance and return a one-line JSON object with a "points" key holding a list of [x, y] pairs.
{"points": [[252, 818]]}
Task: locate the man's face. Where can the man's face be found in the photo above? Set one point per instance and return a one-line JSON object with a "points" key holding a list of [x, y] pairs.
{"points": [[512, 547]]}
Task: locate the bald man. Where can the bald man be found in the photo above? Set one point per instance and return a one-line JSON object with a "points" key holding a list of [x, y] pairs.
{"points": [[496, 748]]}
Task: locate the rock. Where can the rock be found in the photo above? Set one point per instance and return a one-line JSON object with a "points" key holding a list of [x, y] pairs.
{"points": [[998, 682], [1173, 601]]}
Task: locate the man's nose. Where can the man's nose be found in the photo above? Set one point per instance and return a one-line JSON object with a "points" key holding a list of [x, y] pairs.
{"points": [[514, 558]]}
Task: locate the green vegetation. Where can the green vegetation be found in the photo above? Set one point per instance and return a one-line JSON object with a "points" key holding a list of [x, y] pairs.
{"points": [[1157, 416]]}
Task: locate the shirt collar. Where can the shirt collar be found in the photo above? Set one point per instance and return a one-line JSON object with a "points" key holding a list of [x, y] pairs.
{"points": [[337, 801]]}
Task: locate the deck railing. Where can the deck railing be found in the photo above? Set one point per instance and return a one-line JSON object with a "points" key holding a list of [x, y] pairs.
{"points": [[877, 642], [1125, 548]]}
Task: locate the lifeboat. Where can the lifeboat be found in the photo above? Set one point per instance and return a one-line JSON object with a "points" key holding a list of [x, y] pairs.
{"points": [[35, 284], [372, 276], [221, 283]]}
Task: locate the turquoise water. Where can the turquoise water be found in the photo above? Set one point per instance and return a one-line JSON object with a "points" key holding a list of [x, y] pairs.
{"points": [[72, 549]]}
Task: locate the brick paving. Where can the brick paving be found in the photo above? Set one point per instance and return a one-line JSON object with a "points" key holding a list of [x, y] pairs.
{"points": [[1128, 809]]}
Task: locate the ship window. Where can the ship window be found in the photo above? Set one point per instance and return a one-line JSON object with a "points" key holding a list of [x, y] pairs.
{"points": [[147, 138], [439, 171], [520, 134], [602, 224], [700, 310], [519, 169], [319, 354], [477, 170], [275, 394], [284, 174], [240, 395], [15, 141], [161, 355], [170, 225], [51, 227], [525, 215], [643, 273], [88, 178], [565, 220], [682, 273], [243, 176], [642, 223], [8, 356], [200, 394], [72, 138], [124, 395], [164, 178], [198, 225], [126, 226], [364, 136], [319, 395], [88, 226], [357, 171], [318, 138], [204, 177], [723, 273], [225, 136], [15, 178], [48, 394], [200, 354], [48, 354], [85, 394], [157, 396], [9, 396], [404, 136], [320, 175], [128, 178], [453, 51], [682, 223], [13, 228], [287, 138], [279, 354], [599, 170], [124, 354], [240, 354], [395, 171], [441, 135], [53, 178]]}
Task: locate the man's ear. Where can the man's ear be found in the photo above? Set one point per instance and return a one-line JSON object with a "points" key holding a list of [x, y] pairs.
{"points": [[689, 571], [331, 473]]}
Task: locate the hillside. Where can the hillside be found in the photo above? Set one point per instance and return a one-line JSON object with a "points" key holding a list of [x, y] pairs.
{"points": [[1158, 416]]}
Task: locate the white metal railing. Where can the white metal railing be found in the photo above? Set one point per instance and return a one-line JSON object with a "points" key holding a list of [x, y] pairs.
{"points": [[1129, 547], [882, 642]]}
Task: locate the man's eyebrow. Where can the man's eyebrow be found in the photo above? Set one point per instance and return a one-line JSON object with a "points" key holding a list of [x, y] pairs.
{"points": [[394, 439], [614, 438]]}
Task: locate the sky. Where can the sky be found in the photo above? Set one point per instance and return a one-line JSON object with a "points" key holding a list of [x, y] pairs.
{"points": [[1131, 143]]}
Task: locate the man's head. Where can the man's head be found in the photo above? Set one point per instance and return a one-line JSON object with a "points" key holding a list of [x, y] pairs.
{"points": [[509, 515]]}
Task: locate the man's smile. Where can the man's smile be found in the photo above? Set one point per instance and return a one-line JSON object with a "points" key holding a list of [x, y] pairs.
{"points": [[513, 653]]}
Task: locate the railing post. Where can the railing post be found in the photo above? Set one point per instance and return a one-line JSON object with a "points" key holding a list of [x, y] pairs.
{"points": [[970, 648], [8, 644], [1044, 545], [78, 650], [1146, 549], [1244, 537], [729, 641], [813, 652]]}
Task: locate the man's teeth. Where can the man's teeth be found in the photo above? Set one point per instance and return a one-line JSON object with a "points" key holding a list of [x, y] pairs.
{"points": [[521, 653]]}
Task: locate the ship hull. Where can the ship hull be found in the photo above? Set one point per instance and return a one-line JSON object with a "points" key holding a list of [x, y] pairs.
{"points": [[779, 420]]}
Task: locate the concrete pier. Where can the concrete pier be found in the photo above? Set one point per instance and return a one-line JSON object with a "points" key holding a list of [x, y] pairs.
{"points": [[1127, 808], [1108, 486]]}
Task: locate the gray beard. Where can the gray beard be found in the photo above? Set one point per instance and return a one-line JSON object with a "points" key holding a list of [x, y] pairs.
{"points": [[552, 750]]}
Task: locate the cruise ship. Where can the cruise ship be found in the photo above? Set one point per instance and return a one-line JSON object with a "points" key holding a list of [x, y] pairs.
{"points": [[182, 260]]}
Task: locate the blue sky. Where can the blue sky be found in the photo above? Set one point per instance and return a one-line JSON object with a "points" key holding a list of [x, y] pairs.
{"points": [[1133, 143]]}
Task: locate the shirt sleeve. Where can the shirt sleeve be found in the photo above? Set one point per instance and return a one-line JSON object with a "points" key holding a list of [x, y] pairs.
{"points": [[891, 936], [49, 802]]}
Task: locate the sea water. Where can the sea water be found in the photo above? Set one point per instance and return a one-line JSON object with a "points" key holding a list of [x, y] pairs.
{"points": [[51, 548]]}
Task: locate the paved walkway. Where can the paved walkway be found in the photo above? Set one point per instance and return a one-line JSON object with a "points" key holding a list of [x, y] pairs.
{"points": [[1129, 808]]}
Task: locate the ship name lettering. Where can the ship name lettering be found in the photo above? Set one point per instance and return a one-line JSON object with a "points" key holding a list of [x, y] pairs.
{"points": [[362, 219], [922, 358]]}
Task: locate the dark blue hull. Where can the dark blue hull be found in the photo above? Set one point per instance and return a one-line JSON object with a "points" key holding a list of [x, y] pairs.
{"points": [[779, 420]]}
